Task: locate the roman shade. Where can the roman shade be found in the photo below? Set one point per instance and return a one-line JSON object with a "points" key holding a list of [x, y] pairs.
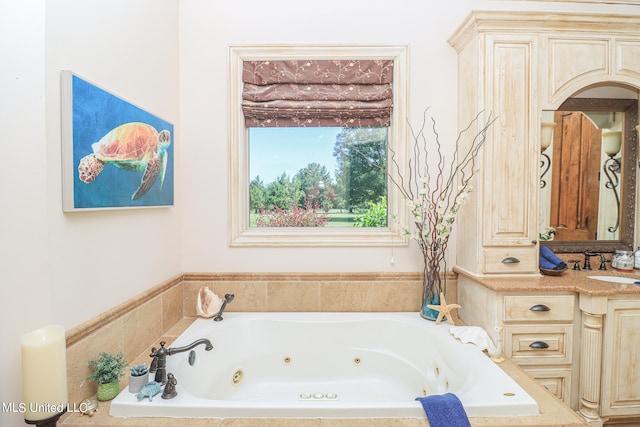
{"points": [[304, 93]]}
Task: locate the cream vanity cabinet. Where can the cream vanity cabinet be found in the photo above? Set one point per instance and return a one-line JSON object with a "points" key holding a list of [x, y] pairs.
{"points": [[535, 330], [497, 78], [584, 349], [512, 66], [538, 335], [610, 358], [621, 358]]}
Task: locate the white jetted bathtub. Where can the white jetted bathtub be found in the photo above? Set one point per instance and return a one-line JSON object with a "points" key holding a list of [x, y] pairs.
{"points": [[330, 365]]}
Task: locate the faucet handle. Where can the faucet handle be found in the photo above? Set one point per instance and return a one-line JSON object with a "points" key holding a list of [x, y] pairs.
{"points": [[154, 351], [603, 262], [160, 352], [576, 264]]}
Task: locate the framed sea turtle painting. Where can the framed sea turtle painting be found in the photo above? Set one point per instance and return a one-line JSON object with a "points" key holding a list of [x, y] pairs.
{"points": [[115, 155]]}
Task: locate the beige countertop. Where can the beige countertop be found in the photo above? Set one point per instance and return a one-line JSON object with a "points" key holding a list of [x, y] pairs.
{"points": [[569, 281]]}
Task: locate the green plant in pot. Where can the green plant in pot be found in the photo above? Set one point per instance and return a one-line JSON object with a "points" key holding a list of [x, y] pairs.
{"points": [[138, 378], [107, 370]]}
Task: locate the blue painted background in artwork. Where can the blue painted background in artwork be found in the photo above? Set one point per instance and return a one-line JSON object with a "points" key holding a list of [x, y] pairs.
{"points": [[95, 113]]}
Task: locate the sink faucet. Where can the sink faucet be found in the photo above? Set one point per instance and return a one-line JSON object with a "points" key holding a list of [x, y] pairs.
{"points": [[160, 355], [227, 299], [587, 257]]}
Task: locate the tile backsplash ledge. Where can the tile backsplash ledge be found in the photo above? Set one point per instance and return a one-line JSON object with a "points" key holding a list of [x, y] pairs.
{"points": [[133, 326]]}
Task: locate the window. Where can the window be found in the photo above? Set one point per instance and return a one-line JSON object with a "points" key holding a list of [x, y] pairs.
{"points": [[303, 174], [313, 177]]}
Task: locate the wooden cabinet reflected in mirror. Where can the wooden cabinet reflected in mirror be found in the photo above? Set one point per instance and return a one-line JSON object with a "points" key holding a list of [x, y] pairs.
{"points": [[575, 189], [588, 197]]}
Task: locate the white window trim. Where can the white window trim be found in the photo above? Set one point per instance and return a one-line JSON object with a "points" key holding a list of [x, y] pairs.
{"points": [[240, 234]]}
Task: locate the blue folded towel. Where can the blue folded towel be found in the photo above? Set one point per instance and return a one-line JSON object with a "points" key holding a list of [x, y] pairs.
{"points": [[444, 410], [549, 260]]}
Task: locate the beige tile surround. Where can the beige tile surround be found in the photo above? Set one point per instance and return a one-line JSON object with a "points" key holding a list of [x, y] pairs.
{"points": [[135, 325]]}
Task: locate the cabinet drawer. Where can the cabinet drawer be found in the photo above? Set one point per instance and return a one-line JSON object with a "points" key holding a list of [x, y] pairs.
{"points": [[510, 260], [538, 345], [539, 308], [556, 380]]}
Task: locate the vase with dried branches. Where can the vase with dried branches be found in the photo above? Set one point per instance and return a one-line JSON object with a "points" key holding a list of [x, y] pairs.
{"points": [[434, 188]]}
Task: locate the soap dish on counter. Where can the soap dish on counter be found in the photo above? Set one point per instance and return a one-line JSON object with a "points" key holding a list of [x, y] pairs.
{"points": [[550, 272]]}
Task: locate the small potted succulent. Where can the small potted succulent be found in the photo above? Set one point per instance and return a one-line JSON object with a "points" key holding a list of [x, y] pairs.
{"points": [[107, 370], [138, 378]]}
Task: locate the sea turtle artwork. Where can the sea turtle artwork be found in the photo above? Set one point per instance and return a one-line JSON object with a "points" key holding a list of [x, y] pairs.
{"points": [[149, 390], [134, 146]]}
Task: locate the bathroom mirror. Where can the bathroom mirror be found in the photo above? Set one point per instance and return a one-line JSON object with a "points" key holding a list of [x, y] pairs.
{"points": [[588, 174]]}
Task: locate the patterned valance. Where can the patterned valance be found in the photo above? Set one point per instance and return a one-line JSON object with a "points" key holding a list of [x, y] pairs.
{"points": [[317, 93]]}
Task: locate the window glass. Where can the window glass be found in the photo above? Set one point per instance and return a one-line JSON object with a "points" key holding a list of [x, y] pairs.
{"points": [[318, 177]]}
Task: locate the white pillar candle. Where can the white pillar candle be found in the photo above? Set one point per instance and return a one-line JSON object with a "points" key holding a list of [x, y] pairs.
{"points": [[44, 372]]}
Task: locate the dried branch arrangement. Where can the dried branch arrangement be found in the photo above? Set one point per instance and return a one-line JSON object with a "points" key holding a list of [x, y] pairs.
{"points": [[434, 189]]}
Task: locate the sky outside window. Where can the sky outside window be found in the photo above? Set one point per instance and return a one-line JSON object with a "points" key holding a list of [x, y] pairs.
{"points": [[276, 150]]}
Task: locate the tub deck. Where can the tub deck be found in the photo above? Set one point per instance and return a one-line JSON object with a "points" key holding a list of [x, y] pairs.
{"points": [[553, 412]]}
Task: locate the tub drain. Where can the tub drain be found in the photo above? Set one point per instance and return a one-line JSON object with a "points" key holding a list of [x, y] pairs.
{"points": [[237, 377]]}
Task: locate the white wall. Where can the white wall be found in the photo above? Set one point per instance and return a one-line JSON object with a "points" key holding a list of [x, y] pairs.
{"points": [[62, 268], [207, 28], [24, 291], [131, 50]]}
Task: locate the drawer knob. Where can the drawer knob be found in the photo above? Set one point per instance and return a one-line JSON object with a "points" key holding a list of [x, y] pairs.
{"points": [[510, 260], [540, 307], [539, 345]]}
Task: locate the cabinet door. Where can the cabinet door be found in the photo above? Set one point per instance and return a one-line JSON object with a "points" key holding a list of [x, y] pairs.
{"points": [[509, 169], [556, 380], [621, 360]]}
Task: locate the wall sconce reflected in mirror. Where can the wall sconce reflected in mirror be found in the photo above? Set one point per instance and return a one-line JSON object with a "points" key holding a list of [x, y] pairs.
{"points": [[601, 119], [611, 141], [546, 136]]}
